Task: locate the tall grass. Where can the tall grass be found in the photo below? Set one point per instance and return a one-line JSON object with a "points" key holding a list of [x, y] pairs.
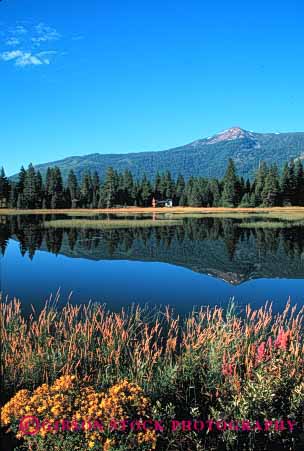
{"points": [[211, 364], [138, 343]]}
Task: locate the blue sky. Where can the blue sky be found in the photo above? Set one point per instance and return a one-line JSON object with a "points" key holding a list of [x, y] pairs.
{"points": [[125, 76]]}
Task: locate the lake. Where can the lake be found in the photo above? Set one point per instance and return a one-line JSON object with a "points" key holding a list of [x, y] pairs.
{"points": [[184, 261]]}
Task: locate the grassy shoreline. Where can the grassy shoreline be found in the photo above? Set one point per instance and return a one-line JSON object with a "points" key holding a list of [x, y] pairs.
{"points": [[174, 210]]}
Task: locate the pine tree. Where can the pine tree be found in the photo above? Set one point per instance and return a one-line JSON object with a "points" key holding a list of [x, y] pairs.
{"points": [[203, 189], [109, 188], [94, 203], [299, 200], [56, 188], [180, 187], [271, 191], [183, 201], [72, 189], [136, 193], [86, 190], [20, 202], [285, 186], [101, 198], [292, 183], [21, 180], [246, 201], [157, 186], [120, 195], [95, 181], [168, 185], [95, 187], [39, 190], [13, 196], [248, 187], [128, 188], [30, 194], [146, 192], [253, 200], [195, 198], [240, 190], [48, 188], [188, 188], [4, 189], [230, 193], [215, 194], [260, 181]]}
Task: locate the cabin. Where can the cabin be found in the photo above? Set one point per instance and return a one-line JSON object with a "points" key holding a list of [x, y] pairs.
{"points": [[162, 203]]}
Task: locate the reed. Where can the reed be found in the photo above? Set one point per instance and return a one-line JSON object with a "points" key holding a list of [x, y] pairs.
{"points": [[214, 362], [137, 343]]}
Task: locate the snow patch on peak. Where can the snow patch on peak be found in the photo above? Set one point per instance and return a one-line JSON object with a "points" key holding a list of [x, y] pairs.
{"points": [[229, 135]]}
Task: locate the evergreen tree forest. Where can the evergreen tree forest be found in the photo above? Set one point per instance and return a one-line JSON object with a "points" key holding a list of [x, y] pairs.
{"points": [[270, 187]]}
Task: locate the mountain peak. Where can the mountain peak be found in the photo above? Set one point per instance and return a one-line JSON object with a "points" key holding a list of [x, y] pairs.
{"points": [[229, 135], [195, 159]]}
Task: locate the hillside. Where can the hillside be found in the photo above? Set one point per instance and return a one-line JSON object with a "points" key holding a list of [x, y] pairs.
{"points": [[204, 157]]}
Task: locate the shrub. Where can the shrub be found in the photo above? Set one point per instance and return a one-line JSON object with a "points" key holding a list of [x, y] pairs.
{"points": [[74, 415]]}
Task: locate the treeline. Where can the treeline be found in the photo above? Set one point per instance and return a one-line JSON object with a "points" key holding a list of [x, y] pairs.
{"points": [[270, 188]]}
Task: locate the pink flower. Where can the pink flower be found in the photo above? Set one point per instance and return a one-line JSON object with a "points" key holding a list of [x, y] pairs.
{"points": [[261, 352], [269, 343], [281, 341]]}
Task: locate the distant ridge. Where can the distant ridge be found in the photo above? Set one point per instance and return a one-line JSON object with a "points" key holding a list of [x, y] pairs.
{"points": [[204, 157]]}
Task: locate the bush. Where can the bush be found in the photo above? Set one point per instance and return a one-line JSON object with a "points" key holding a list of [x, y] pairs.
{"points": [[69, 415]]}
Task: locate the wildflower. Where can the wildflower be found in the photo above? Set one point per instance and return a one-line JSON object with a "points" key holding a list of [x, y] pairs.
{"points": [[107, 445], [227, 368], [123, 400], [261, 351], [282, 339], [148, 436]]}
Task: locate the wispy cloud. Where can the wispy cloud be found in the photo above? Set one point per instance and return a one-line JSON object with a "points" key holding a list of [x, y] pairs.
{"points": [[21, 58], [77, 38], [12, 42], [31, 45], [44, 33], [46, 57], [19, 30], [8, 56]]}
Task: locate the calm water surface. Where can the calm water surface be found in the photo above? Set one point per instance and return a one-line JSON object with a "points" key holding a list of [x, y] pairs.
{"points": [[193, 262]]}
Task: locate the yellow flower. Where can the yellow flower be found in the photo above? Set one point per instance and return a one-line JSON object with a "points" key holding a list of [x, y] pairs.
{"points": [[79, 402], [107, 445]]}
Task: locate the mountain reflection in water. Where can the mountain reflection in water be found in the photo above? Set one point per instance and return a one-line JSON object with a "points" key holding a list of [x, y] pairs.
{"points": [[215, 247]]}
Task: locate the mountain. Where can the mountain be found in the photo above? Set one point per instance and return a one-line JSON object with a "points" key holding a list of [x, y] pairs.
{"points": [[204, 157]]}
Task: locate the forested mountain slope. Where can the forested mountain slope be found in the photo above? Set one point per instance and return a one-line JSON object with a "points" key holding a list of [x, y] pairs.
{"points": [[204, 157]]}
